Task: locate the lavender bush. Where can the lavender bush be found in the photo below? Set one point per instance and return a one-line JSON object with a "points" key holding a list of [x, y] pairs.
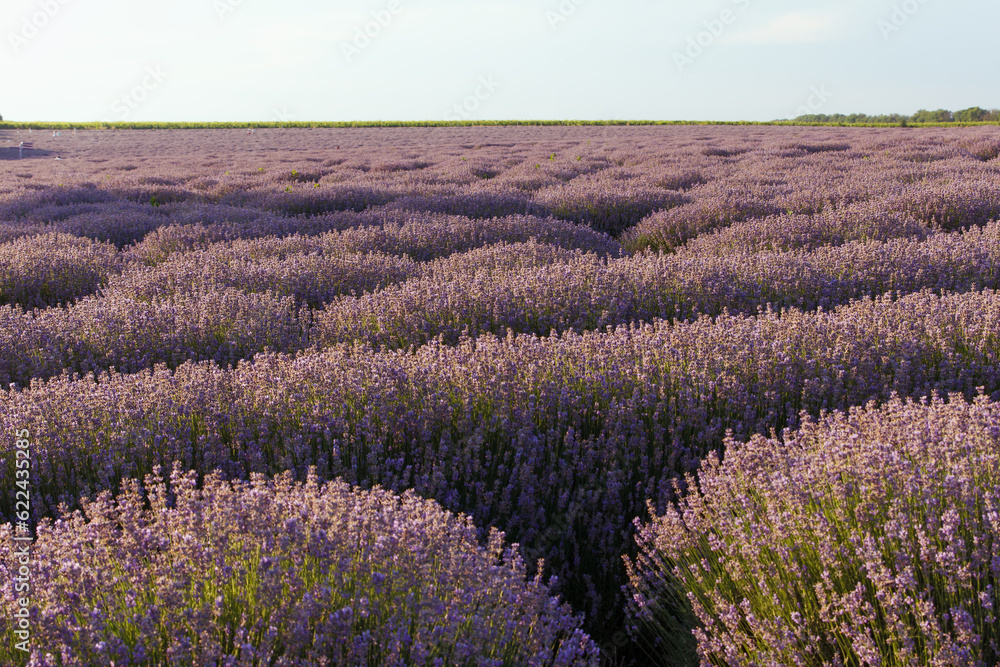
{"points": [[866, 222], [861, 538], [313, 278], [279, 573], [670, 228], [422, 236]]}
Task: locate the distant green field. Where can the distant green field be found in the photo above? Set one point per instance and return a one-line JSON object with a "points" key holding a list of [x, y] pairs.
{"points": [[14, 125]]}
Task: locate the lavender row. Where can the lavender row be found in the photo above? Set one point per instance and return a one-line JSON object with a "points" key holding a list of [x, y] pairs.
{"points": [[672, 228], [115, 330], [312, 279], [152, 315], [952, 203], [279, 573], [939, 203], [315, 270], [607, 205], [863, 538], [218, 305], [584, 293], [425, 237], [781, 233], [580, 193], [127, 222], [421, 236], [54, 268], [558, 441], [50, 268], [608, 181]]}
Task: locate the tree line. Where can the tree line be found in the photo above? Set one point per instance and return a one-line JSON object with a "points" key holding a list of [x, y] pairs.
{"points": [[970, 115]]}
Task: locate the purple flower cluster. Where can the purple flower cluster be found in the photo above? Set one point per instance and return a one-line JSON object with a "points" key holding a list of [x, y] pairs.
{"points": [[279, 573]]}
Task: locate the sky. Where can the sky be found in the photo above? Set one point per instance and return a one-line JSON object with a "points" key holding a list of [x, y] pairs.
{"points": [[332, 60]]}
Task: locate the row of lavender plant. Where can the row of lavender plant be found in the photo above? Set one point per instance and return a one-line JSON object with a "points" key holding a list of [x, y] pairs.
{"points": [[225, 303], [229, 302], [218, 304], [50, 268], [71, 267], [323, 270], [353, 577], [723, 178], [862, 538], [116, 330], [53, 268], [125, 222], [585, 293], [946, 206], [780, 233], [311, 278], [558, 441], [421, 236]]}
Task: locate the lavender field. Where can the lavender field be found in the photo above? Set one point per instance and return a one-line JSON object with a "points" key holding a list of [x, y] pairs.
{"points": [[501, 396]]}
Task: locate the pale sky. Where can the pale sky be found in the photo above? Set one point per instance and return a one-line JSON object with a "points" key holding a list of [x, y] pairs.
{"points": [[265, 60]]}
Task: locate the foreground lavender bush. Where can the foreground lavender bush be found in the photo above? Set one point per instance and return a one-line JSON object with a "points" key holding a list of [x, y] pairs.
{"points": [[869, 538], [279, 573]]}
